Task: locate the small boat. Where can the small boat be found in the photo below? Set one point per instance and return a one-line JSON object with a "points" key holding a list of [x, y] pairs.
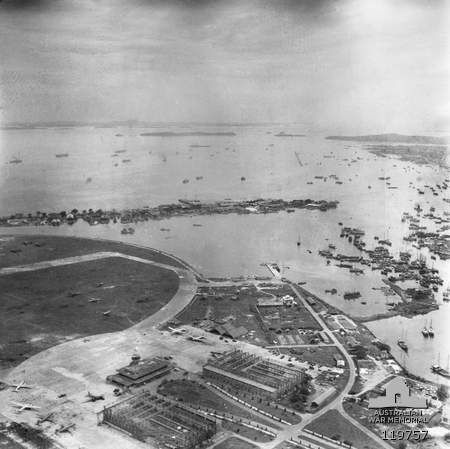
{"points": [[15, 160], [441, 371], [62, 155], [438, 369], [402, 344], [299, 241], [431, 330], [352, 295], [425, 331]]}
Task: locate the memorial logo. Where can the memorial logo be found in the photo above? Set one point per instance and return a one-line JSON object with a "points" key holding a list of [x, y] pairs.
{"points": [[398, 396], [399, 407]]}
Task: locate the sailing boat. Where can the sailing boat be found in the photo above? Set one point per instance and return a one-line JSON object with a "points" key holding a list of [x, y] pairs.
{"points": [[431, 330], [437, 368], [425, 331], [402, 344]]}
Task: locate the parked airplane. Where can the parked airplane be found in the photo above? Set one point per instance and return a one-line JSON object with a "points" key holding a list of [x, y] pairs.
{"points": [[66, 428], [21, 406], [198, 339], [95, 397], [20, 385], [45, 418], [176, 330]]}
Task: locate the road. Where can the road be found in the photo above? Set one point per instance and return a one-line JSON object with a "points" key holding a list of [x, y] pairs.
{"points": [[84, 363], [337, 403]]}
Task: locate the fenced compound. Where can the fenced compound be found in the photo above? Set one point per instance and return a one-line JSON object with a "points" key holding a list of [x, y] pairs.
{"points": [[151, 417]]}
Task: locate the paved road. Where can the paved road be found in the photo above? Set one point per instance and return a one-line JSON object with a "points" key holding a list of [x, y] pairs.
{"points": [[108, 351], [337, 403], [317, 345], [296, 431]]}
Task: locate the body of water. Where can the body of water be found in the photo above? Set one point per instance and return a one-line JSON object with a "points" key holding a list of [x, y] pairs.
{"points": [[107, 171]]}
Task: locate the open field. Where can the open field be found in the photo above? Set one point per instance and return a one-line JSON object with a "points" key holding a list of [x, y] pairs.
{"points": [[235, 443], [320, 355], [333, 425], [19, 250], [282, 319], [48, 306], [251, 434]]}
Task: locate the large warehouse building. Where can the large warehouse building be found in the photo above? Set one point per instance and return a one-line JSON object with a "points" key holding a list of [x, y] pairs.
{"points": [[253, 374]]}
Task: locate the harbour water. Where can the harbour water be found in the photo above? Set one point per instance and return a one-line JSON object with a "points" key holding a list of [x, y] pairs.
{"points": [[165, 169]]}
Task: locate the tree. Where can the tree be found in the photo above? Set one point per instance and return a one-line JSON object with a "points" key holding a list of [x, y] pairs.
{"points": [[442, 393]]}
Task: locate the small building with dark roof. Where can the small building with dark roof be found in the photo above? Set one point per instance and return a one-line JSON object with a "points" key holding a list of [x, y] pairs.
{"points": [[229, 330], [140, 373]]}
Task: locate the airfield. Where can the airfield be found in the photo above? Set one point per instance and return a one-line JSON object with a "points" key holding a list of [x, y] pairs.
{"points": [[233, 353], [53, 292]]}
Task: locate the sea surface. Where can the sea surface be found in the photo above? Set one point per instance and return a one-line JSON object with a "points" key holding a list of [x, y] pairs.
{"points": [[152, 170]]}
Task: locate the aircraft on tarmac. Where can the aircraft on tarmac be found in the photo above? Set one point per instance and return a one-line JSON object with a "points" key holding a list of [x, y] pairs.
{"points": [[47, 417], [20, 385], [21, 406], [94, 397], [67, 428], [177, 330], [200, 338]]}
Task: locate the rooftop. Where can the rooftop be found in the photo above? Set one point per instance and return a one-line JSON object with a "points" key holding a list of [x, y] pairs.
{"points": [[143, 368]]}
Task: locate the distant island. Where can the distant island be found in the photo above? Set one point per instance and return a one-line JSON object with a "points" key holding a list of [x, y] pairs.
{"points": [[393, 138], [186, 134], [419, 154]]}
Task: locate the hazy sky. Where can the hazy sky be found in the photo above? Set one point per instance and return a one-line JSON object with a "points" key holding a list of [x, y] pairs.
{"points": [[335, 65]]}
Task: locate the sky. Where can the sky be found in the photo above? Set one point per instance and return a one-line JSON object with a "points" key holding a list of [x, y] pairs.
{"points": [[349, 66]]}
